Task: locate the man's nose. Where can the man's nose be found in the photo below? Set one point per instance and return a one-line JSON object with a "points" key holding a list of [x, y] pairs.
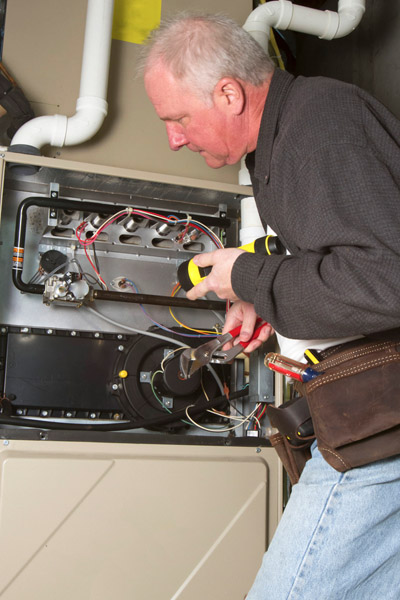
{"points": [[176, 136]]}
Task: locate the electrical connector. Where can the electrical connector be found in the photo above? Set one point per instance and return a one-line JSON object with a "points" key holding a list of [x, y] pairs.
{"points": [[252, 433]]}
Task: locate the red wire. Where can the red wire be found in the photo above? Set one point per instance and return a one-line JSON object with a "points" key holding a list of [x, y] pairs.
{"points": [[146, 214]]}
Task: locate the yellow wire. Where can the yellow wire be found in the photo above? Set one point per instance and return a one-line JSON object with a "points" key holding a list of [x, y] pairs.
{"points": [[174, 292], [275, 46], [276, 50]]}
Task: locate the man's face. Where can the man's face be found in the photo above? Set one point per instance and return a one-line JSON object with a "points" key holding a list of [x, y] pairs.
{"points": [[190, 121]]}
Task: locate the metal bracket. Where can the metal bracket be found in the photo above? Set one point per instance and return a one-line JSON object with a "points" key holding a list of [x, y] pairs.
{"points": [[145, 376], [54, 190]]}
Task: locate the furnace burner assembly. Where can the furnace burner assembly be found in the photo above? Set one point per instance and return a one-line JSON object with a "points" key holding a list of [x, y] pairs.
{"points": [[89, 228]]}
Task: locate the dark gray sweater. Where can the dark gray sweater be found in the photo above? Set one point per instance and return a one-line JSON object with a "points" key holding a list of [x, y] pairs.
{"points": [[326, 177]]}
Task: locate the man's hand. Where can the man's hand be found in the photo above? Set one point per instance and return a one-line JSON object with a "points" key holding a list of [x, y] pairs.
{"points": [[219, 280], [243, 313]]}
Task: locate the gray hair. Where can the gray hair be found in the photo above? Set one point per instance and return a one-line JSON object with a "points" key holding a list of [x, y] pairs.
{"points": [[202, 49]]}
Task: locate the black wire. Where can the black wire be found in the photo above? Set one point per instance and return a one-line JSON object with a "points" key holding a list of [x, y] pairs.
{"points": [[87, 276], [96, 261], [127, 425], [235, 407]]}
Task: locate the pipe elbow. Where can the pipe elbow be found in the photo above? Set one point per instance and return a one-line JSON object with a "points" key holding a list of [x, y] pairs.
{"points": [[91, 107], [49, 129], [86, 122], [327, 25], [271, 14], [59, 130], [350, 14], [261, 36]]}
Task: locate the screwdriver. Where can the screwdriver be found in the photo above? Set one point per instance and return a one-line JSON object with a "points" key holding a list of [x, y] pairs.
{"points": [[291, 368], [190, 274]]}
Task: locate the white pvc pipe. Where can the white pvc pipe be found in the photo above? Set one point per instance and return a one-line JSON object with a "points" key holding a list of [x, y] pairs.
{"points": [[283, 14], [251, 226], [91, 106]]}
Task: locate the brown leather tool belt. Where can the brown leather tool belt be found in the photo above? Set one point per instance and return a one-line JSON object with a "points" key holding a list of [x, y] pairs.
{"points": [[352, 408]]}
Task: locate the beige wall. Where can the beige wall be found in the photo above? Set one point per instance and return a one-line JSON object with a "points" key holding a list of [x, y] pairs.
{"points": [[42, 49]]}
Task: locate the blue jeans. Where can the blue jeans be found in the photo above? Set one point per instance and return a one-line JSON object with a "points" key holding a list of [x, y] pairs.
{"points": [[339, 536]]}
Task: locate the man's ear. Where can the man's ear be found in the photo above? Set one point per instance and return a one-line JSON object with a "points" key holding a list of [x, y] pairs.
{"points": [[229, 95]]}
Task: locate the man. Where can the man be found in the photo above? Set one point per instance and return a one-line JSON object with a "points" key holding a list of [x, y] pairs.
{"points": [[324, 158]]}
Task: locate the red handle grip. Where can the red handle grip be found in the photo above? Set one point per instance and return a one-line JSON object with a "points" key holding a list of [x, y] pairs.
{"points": [[259, 325]]}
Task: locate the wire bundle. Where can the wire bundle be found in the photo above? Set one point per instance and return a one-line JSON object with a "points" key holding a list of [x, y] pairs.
{"points": [[123, 282]]}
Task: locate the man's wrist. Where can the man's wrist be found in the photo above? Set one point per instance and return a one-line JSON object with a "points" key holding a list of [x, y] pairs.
{"points": [[245, 271]]}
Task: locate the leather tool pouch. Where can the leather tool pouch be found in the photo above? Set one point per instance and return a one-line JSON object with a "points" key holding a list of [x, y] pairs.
{"points": [[355, 403], [295, 436]]}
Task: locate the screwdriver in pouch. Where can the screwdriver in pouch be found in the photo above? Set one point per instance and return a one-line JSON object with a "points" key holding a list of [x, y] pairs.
{"points": [[291, 368], [190, 274]]}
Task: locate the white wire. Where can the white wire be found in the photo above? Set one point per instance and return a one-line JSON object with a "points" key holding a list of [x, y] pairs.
{"points": [[245, 419], [167, 356], [210, 231], [213, 411], [152, 216], [112, 217], [134, 330]]}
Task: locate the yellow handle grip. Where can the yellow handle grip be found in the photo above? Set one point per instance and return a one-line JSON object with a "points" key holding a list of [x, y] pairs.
{"points": [[190, 274]]}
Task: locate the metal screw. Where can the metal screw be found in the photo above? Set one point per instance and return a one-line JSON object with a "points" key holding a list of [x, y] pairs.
{"points": [[96, 335], [49, 331], [168, 402], [114, 386], [121, 348], [258, 450], [5, 443], [3, 330], [73, 333], [119, 337]]}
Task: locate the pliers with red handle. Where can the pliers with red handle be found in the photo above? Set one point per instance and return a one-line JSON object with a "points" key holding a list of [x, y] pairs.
{"points": [[193, 359]]}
